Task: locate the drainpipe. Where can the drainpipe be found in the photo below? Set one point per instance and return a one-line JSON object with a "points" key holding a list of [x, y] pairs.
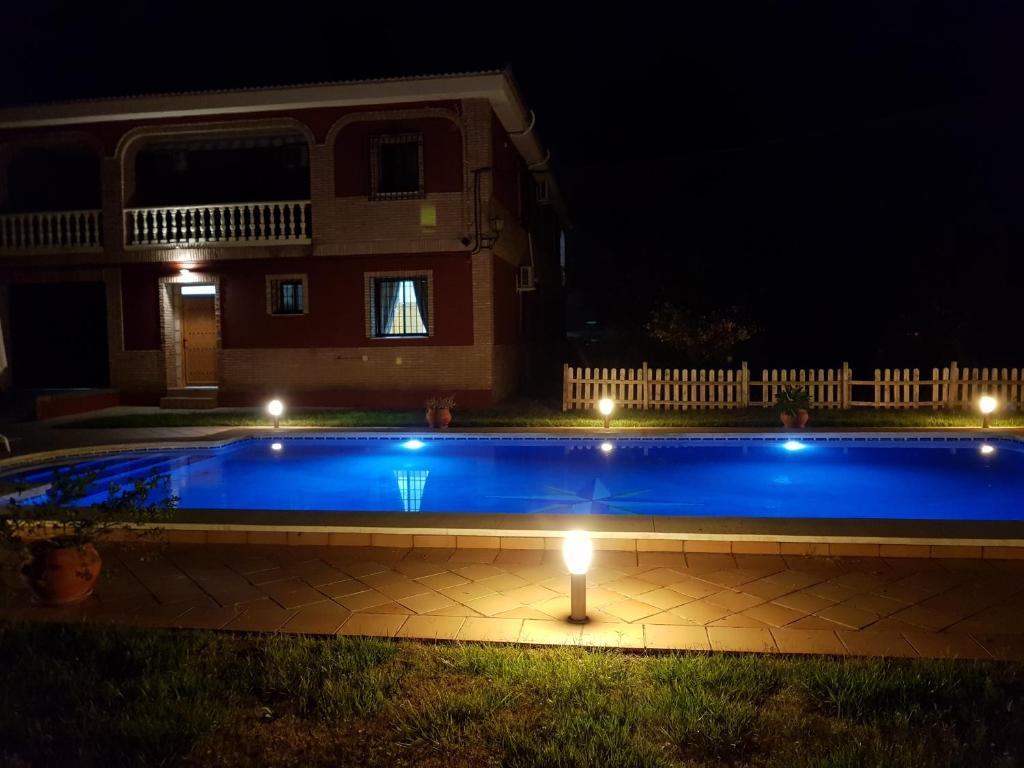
{"points": [[478, 235]]}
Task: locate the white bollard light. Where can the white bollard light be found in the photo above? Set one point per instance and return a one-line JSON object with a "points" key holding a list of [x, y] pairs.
{"points": [[578, 551]]}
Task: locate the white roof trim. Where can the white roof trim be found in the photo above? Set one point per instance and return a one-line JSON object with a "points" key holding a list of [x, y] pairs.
{"points": [[479, 86]]}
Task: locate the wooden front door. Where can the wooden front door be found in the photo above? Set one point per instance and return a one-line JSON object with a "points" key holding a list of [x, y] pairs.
{"points": [[199, 339]]}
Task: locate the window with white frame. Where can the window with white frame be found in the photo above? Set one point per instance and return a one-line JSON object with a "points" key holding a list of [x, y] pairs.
{"points": [[396, 167], [287, 295], [399, 307]]}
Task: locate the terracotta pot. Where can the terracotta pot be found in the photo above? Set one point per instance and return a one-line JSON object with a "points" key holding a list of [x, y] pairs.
{"points": [[802, 417], [59, 574], [431, 418], [787, 420], [443, 417]]}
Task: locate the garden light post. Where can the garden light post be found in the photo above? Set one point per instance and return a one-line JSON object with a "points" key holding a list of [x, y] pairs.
{"points": [[606, 405], [578, 550], [275, 408], [987, 405]]}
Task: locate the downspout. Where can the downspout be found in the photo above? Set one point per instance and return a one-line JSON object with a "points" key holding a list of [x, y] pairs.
{"points": [[477, 206], [528, 129]]}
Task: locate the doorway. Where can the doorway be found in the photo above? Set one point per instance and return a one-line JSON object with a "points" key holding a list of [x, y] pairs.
{"points": [[58, 335], [199, 338]]}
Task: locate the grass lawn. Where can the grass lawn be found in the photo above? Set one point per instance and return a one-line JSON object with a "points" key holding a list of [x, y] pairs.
{"points": [[93, 695], [534, 414]]}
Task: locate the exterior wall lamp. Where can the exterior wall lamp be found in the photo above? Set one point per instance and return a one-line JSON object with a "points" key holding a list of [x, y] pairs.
{"points": [[488, 239]]}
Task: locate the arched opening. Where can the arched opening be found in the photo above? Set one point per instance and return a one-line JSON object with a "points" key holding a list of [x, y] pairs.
{"points": [[221, 169], [53, 178]]}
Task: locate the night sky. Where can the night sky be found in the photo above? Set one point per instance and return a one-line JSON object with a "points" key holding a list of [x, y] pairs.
{"points": [[848, 176]]}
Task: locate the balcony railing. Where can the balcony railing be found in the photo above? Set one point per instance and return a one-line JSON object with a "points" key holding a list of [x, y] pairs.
{"points": [[226, 224], [51, 231]]}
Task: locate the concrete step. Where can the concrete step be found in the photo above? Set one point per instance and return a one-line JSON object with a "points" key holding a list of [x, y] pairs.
{"points": [[210, 391], [192, 402]]}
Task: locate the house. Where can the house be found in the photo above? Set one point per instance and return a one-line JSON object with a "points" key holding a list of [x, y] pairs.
{"points": [[361, 243]]}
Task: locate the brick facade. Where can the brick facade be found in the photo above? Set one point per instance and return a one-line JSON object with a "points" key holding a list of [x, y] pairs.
{"points": [[475, 347]]}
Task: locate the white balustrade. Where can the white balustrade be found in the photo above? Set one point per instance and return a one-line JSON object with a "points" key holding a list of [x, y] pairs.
{"points": [[51, 231], [286, 221]]}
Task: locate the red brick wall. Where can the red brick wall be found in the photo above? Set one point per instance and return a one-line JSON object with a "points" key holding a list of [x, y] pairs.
{"points": [[140, 306], [506, 164], [506, 303], [337, 306], [442, 154]]}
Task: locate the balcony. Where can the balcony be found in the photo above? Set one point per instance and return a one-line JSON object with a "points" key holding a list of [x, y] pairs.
{"points": [[286, 222], [51, 231]]}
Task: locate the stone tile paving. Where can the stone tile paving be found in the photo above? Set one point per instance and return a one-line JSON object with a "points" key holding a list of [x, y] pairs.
{"points": [[971, 609]]}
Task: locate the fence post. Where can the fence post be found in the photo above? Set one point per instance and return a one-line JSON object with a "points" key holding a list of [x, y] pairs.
{"points": [[565, 387], [646, 387], [846, 388], [744, 385], [952, 385]]}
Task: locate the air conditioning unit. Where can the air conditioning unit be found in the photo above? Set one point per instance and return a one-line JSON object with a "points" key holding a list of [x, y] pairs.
{"points": [[524, 282], [543, 191]]}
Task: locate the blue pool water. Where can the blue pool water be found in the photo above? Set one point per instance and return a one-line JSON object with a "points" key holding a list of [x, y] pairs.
{"points": [[752, 476]]}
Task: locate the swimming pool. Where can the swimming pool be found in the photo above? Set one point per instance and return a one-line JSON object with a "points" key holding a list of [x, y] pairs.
{"points": [[756, 476]]}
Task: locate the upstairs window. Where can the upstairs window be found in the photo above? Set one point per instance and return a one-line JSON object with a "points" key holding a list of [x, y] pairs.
{"points": [[286, 294], [396, 167], [398, 307]]}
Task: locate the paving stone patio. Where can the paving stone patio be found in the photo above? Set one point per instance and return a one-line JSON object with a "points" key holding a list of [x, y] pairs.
{"points": [[703, 602]]}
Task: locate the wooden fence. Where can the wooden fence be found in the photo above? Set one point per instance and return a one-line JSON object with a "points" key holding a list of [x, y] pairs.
{"points": [[681, 389]]}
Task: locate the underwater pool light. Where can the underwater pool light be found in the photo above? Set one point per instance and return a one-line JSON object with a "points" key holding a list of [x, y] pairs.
{"points": [[413, 445], [607, 447], [987, 449], [275, 446], [793, 445]]}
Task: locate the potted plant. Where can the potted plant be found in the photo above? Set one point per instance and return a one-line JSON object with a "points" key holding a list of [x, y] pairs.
{"points": [[793, 404], [439, 411], [58, 536]]}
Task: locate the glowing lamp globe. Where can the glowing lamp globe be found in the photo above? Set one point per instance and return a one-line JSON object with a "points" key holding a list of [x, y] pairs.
{"points": [[578, 551], [605, 406], [275, 408], [987, 405]]}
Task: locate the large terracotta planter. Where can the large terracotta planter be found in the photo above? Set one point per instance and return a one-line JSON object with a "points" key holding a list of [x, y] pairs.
{"points": [[439, 418], [61, 575], [798, 420]]}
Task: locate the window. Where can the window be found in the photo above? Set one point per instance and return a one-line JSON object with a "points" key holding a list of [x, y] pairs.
{"points": [[286, 295], [398, 307], [396, 167]]}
